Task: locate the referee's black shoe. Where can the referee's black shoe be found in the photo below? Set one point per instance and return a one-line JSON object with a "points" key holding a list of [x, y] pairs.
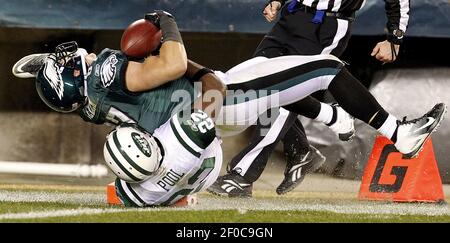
{"points": [[231, 185], [296, 170]]}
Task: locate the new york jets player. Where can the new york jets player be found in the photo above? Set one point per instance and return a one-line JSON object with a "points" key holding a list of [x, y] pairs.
{"points": [[180, 158]]}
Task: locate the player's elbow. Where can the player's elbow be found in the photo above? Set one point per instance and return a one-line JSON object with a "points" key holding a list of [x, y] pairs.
{"points": [[215, 83]]}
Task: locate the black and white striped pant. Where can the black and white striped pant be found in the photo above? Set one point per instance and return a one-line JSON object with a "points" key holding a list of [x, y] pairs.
{"points": [[294, 34], [261, 83]]}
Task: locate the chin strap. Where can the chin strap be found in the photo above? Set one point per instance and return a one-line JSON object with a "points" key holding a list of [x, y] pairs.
{"points": [[83, 53]]}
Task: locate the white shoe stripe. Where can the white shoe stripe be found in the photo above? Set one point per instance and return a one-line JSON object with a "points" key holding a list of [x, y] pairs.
{"points": [[225, 186], [306, 156], [299, 173], [238, 185], [231, 188], [430, 121], [295, 167]]}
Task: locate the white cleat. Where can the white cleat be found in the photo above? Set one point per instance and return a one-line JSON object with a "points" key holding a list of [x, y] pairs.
{"points": [[344, 125], [29, 66], [411, 135]]}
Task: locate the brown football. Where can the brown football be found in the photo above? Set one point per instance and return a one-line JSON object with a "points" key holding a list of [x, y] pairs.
{"points": [[140, 39]]}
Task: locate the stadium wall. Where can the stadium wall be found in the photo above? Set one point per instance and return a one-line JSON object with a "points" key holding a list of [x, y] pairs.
{"points": [[29, 131]]}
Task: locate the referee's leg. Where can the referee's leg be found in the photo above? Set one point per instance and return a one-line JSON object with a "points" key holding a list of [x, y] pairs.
{"points": [[246, 167]]}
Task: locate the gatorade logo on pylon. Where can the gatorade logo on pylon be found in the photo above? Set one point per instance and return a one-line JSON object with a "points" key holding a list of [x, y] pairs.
{"points": [[392, 177], [398, 171]]}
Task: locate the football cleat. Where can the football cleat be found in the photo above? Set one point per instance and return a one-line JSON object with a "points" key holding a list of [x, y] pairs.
{"points": [[343, 124], [29, 66], [296, 171], [411, 135], [231, 185]]}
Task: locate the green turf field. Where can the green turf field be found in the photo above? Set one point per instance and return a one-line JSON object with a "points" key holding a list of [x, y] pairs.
{"points": [[216, 216], [86, 204]]}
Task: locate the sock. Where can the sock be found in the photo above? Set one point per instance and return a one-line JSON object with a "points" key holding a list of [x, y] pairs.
{"points": [[354, 98], [326, 114], [308, 107], [389, 128]]}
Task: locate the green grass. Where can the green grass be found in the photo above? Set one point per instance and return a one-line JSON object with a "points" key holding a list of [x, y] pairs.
{"points": [[23, 207], [229, 216], [171, 215], [219, 216]]}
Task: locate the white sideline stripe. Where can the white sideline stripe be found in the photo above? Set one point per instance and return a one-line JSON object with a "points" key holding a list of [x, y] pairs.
{"points": [[213, 203], [376, 209], [85, 198], [61, 213], [36, 168]]}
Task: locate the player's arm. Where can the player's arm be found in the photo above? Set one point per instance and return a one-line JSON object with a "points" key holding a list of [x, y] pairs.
{"points": [[213, 89], [158, 70], [210, 81], [397, 12]]}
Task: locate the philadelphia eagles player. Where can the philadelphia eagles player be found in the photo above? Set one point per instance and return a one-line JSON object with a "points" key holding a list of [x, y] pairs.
{"points": [[117, 91], [109, 88]]}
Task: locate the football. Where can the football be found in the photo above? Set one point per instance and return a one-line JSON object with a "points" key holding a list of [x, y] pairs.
{"points": [[140, 39]]}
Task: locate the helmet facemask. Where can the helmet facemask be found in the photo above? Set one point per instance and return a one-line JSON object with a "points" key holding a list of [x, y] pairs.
{"points": [[69, 56], [61, 81]]}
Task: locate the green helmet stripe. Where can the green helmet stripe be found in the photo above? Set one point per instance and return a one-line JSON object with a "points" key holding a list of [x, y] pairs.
{"points": [[127, 158], [120, 164]]}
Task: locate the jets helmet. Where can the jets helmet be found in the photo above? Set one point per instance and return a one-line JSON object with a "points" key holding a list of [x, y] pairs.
{"points": [[61, 80], [132, 154]]}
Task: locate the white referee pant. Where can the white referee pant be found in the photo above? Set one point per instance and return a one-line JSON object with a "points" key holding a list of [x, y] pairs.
{"points": [[261, 84]]}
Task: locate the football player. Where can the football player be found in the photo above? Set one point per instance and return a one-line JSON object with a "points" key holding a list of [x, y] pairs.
{"points": [[110, 88], [180, 158]]}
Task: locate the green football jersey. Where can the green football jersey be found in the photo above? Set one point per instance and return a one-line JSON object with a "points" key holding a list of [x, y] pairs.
{"points": [[110, 102]]}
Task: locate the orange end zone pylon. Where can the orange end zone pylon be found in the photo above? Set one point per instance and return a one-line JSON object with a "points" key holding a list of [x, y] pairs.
{"points": [[112, 199], [391, 177], [111, 196]]}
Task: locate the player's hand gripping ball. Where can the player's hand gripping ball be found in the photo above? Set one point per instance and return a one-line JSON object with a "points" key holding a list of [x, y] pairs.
{"points": [[141, 38]]}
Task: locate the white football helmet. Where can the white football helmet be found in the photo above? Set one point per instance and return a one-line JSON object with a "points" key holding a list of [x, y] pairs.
{"points": [[132, 154]]}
